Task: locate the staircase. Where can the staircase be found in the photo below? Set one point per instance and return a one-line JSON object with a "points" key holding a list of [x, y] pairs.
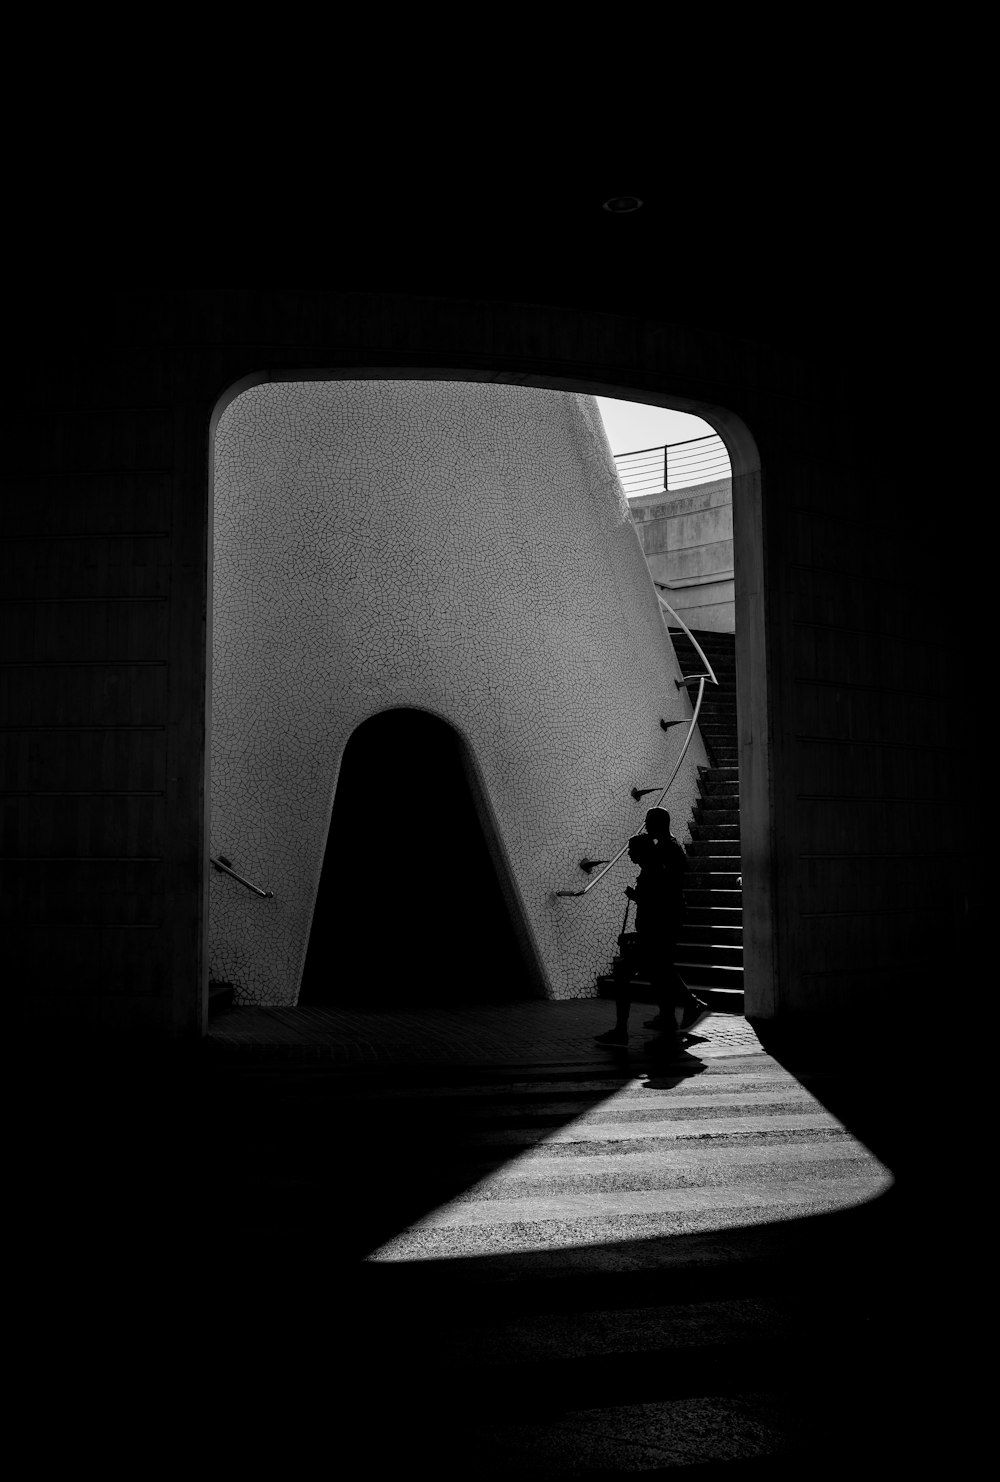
{"points": [[710, 949]]}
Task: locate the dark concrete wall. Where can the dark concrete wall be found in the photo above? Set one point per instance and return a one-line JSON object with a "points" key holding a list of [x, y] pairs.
{"points": [[849, 749]]}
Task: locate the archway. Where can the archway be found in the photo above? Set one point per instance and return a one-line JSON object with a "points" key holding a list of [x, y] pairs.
{"points": [[262, 946], [415, 905]]}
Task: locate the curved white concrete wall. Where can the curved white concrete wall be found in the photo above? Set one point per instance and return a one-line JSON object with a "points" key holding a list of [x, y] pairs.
{"points": [[465, 549]]}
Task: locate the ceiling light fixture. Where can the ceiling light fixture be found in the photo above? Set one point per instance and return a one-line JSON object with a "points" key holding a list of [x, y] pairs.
{"points": [[618, 205]]}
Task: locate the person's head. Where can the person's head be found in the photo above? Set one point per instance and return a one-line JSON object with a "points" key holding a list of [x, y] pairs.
{"points": [[658, 823], [640, 849]]}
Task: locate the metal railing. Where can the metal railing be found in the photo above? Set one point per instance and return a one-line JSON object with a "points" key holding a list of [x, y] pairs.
{"points": [[224, 866], [662, 788], [673, 466]]}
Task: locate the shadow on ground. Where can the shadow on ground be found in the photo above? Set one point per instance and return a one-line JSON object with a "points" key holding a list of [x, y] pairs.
{"points": [[194, 1280]]}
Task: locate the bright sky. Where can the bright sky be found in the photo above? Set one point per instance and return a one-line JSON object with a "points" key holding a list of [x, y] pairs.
{"points": [[630, 426]]}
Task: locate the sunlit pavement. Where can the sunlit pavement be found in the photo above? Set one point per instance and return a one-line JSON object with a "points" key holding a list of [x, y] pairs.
{"points": [[484, 1244], [602, 1260], [715, 1137]]}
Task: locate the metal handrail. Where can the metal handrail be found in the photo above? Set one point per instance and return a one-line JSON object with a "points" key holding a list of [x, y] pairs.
{"points": [[663, 587], [610, 864], [222, 864], [676, 465]]}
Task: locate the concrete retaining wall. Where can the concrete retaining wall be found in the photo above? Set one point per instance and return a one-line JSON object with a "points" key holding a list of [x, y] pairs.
{"points": [[687, 539]]}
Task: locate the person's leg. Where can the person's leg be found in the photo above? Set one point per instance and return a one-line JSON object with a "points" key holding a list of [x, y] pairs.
{"points": [[658, 967], [666, 995], [680, 1009], [690, 1008]]}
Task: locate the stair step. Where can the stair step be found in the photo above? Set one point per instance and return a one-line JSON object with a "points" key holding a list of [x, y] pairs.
{"points": [[705, 935], [700, 895], [697, 974], [716, 817], [709, 954], [712, 776], [721, 998], [706, 638], [716, 918], [706, 851]]}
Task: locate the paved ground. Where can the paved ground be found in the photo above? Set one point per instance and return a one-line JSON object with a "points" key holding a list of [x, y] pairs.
{"points": [[534, 1032], [568, 1260], [471, 1242]]}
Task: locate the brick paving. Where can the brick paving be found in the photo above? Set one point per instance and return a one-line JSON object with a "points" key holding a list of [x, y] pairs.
{"points": [[535, 1032]]}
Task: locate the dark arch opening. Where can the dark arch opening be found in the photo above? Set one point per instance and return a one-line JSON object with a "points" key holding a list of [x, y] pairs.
{"points": [[415, 905]]}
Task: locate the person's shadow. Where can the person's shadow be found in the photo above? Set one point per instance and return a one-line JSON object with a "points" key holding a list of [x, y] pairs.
{"points": [[667, 1060], [668, 1065]]}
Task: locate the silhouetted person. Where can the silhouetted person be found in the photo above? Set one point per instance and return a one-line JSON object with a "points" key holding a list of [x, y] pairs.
{"points": [[659, 896], [673, 862]]}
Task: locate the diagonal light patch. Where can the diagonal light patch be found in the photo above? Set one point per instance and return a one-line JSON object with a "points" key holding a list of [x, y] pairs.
{"points": [[741, 1145]]}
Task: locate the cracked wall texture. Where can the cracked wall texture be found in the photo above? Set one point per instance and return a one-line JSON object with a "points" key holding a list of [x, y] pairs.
{"points": [[464, 549]]}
